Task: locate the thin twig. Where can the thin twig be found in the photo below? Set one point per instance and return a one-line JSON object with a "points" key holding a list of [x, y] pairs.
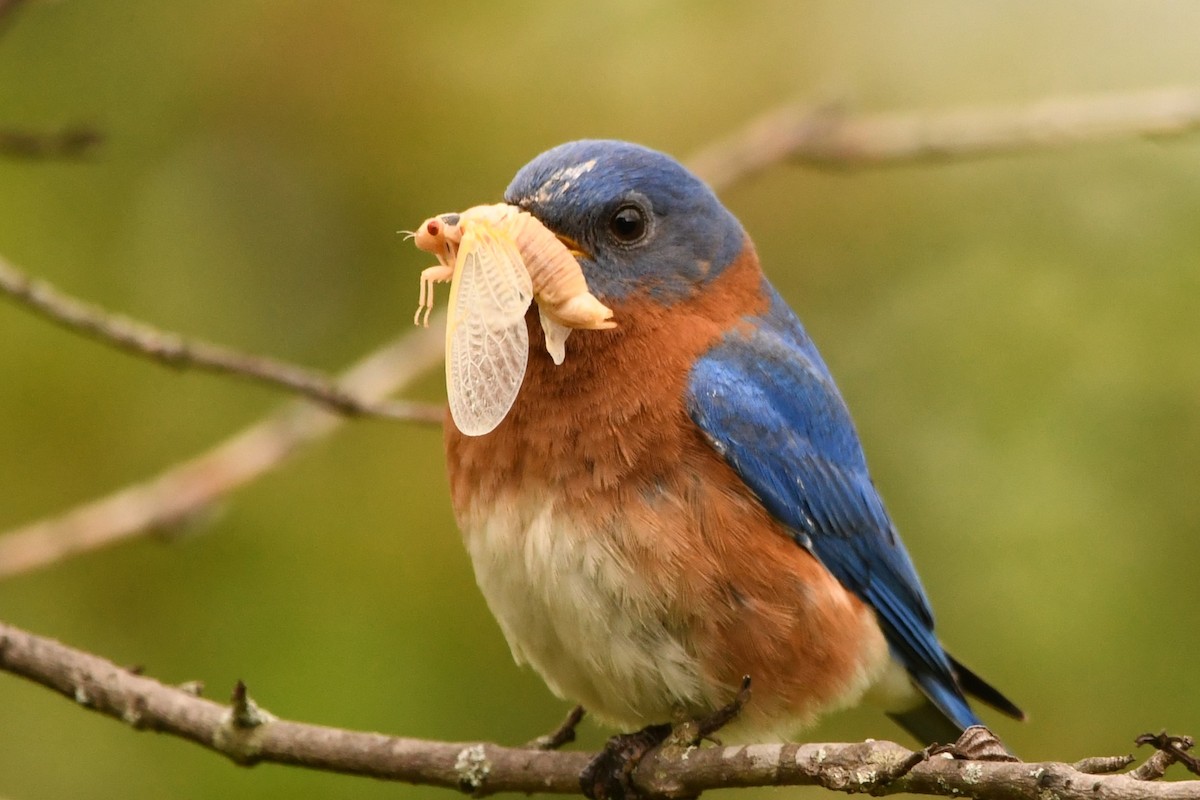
{"points": [[1103, 765], [188, 488], [815, 136], [174, 350], [564, 734], [1169, 750], [71, 142], [249, 735], [826, 137]]}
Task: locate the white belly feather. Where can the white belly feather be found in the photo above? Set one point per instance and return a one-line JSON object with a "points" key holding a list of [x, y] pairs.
{"points": [[571, 607]]}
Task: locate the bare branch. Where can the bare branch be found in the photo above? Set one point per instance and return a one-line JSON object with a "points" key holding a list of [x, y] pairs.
{"points": [[71, 142], [792, 132], [822, 137], [826, 137], [563, 735], [187, 489], [1170, 750], [248, 735], [174, 350]]}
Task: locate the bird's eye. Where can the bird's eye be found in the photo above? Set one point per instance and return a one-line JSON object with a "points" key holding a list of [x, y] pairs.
{"points": [[628, 224]]}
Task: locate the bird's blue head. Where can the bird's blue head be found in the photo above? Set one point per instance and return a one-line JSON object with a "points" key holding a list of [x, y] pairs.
{"points": [[642, 222]]}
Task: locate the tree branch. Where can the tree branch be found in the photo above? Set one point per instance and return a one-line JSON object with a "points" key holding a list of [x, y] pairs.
{"points": [[248, 735], [826, 137], [820, 137], [73, 141], [174, 350], [188, 488]]}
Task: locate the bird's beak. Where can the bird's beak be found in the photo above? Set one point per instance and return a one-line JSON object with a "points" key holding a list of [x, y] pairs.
{"points": [[576, 251]]}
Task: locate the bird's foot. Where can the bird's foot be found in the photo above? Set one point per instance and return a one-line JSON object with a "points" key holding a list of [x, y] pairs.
{"points": [[563, 734], [976, 743], [610, 775], [692, 732]]}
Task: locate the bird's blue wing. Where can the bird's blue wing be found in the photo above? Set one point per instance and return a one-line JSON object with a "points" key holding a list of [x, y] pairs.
{"points": [[765, 400]]}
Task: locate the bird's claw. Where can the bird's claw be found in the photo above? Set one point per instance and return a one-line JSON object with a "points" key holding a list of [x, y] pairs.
{"points": [[692, 732], [610, 775], [976, 743]]}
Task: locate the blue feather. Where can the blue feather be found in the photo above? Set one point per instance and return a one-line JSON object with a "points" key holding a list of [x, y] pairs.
{"points": [[766, 401]]}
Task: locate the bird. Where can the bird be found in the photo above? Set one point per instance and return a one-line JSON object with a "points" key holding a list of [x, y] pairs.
{"points": [[685, 501]]}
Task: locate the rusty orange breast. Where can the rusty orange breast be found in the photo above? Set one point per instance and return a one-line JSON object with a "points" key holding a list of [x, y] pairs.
{"points": [[613, 412]]}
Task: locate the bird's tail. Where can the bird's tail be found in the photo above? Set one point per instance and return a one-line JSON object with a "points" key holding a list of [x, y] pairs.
{"points": [[983, 691], [944, 714]]}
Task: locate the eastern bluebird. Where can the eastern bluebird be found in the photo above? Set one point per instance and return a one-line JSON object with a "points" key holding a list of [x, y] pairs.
{"points": [[684, 500]]}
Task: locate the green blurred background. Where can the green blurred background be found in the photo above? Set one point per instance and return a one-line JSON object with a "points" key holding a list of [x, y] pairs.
{"points": [[1017, 338]]}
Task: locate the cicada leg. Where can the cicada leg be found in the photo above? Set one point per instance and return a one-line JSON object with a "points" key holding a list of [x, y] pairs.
{"points": [[436, 274], [556, 337]]}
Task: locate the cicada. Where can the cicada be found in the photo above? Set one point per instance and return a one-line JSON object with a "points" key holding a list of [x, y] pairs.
{"points": [[499, 259]]}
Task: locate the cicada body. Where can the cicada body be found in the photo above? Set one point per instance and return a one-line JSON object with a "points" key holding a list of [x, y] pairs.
{"points": [[499, 259], [558, 283]]}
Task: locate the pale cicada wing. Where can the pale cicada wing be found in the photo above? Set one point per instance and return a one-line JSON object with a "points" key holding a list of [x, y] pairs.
{"points": [[487, 343]]}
